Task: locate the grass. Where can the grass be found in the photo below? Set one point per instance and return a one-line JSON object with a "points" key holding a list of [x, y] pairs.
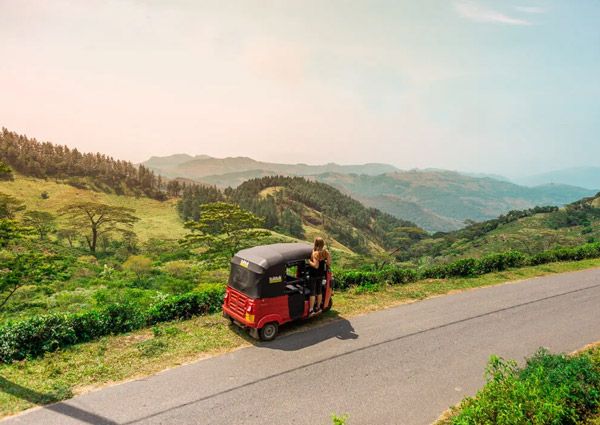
{"points": [[83, 367], [157, 219]]}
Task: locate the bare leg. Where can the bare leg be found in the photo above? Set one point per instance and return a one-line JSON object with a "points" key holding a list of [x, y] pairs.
{"points": [[319, 301], [311, 303]]}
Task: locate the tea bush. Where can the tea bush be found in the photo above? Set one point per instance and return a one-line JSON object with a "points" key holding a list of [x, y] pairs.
{"points": [[465, 267], [208, 300], [346, 279], [550, 389], [45, 333]]}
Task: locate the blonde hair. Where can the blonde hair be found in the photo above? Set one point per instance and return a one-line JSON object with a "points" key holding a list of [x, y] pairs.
{"points": [[319, 244]]}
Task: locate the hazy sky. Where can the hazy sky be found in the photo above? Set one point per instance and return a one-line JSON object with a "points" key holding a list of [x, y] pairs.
{"points": [[503, 86]]}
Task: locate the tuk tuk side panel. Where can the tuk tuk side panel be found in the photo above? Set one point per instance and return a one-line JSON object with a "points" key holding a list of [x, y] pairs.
{"points": [[273, 309]]}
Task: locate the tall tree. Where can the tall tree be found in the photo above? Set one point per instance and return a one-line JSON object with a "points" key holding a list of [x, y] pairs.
{"points": [[9, 206], [41, 221], [97, 219], [223, 229]]}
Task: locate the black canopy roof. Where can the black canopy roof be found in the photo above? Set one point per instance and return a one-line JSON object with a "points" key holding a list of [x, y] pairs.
{"points": [[267, 256]]}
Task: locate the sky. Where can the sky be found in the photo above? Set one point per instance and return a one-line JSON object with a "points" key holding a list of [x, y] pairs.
{"points": [[505, 87]]}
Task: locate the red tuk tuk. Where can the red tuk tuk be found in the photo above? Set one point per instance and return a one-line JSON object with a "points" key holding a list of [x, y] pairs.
{"points": [[268, 286]]}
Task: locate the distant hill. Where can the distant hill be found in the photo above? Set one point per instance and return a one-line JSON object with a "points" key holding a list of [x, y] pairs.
{"points": [[434, 199], [440, 200], [529, 231], [219, 171], [303, 208], [588, 177], [166, 162]]}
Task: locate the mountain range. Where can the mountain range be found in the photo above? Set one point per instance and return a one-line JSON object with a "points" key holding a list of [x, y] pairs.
{"points": [[587, 177], [437, 200], [202, 167]]}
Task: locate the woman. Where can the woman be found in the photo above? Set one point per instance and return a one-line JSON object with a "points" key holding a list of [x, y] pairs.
{"points": [[318, 262]]}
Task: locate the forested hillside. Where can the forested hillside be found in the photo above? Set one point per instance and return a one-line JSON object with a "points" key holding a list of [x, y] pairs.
{"points": [[529, 231], [303, 209], [94, 171]]}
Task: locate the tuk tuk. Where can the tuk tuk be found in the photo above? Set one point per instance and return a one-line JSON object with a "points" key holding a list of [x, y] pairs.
{"points": [[269, 286]]}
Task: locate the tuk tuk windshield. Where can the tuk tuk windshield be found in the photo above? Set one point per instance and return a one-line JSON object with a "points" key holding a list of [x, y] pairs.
{"points": [[244, 280]]}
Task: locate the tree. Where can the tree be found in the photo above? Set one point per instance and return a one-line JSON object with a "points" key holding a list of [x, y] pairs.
{"points": [[9, 206], [43, 222], [291, 223], [97, 219], [68, 234], [27, 268], [9, 231], [223, 229], [5, 172]]}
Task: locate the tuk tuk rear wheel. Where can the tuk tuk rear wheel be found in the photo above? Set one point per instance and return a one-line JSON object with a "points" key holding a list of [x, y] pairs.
{"points": [[269, 331], [329, 305]]}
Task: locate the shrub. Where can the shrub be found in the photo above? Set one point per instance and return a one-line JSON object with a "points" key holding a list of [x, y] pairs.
{"points": [[207, 300], [178, 268], [139, 265], [398, 276], [45, 333], [550, 389], [345, 279]]}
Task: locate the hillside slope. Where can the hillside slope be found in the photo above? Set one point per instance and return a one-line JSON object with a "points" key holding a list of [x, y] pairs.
{"points": [[157, 219], [319, 209], [442, 200], [529, 231]]}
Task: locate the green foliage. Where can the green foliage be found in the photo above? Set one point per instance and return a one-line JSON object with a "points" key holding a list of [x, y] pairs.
{"points": [[223, 229], [346, 219], [10, 230], [5, 171], [192, 199], [291, 224], [139, 265], [9, 206], [45, 333], [26, 268], [43, 222], [339, 419], [466, 267], [96, 219], [205, 301], [550, 389], [346, 279], [83, 170], [591, 250]]}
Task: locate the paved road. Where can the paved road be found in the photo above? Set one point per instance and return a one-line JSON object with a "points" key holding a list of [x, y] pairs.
{"points": [[403, 365]]}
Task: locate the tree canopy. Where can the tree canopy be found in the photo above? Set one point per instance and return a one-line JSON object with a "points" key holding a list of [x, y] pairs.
{"points": [[223, 229], [95, 219], [41, 221], [10, 206], [26, 268]]}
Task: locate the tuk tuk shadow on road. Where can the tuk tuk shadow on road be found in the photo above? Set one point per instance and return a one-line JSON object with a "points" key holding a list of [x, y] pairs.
{"points": [[297, 335]]}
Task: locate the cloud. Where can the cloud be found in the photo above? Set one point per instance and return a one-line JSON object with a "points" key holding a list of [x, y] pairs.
{"points": [[474, 12], [530, 9]]}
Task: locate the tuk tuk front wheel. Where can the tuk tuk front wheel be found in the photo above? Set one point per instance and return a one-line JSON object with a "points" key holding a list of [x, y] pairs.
{"points": [[269, 331]]}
